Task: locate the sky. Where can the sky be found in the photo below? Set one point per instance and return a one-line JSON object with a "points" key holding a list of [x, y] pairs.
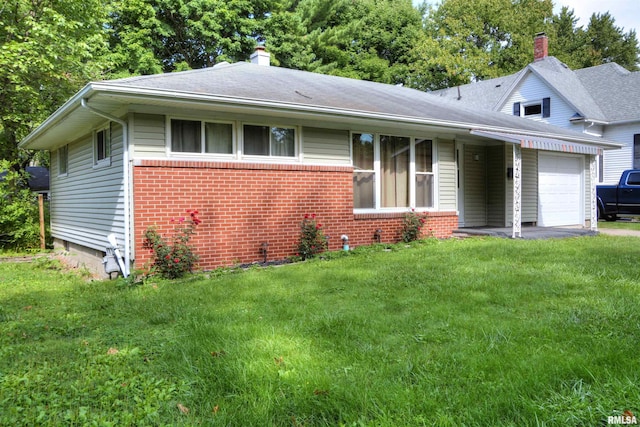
{"points": [[625, 12]]}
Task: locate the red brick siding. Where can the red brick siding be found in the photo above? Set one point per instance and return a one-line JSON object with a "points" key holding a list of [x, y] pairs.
{"points": [[243, 205]]}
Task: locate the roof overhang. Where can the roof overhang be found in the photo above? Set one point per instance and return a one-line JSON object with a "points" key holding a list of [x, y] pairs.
{"points": [[548, 144]]}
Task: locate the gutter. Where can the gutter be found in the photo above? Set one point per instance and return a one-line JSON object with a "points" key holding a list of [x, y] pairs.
{"points": [[127, 179]]}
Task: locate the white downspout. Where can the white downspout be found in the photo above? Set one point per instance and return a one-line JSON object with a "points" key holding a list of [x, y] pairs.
{"points": [[125, 162]]}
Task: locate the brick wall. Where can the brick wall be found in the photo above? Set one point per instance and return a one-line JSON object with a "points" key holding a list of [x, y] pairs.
{"points": [[244, 205]]}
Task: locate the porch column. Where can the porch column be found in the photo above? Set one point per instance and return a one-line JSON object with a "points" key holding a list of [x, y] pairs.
{"points": [[593, 164], [517, 191]]}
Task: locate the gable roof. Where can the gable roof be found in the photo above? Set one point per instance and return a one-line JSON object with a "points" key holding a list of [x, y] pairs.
{"points": [[606, 93], [288, 93]]}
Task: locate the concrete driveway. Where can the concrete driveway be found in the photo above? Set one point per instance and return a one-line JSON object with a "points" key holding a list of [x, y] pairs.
{"points": [[532, 233]]}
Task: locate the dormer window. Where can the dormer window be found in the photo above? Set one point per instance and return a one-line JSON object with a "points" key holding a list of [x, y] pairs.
{"points": [[531, 109]]}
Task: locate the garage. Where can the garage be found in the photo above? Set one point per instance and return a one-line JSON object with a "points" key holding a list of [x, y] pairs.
{"points": [[560, 190]]}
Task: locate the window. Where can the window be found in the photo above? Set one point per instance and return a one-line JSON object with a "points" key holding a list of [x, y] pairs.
{"points": [[102, 144], [195, 136], [391, 171], [536, 108], [633, 178], [269, 141], [63, 160], [363, 172]]}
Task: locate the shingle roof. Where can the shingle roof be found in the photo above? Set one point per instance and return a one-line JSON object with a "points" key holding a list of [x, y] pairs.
{"points": [[299, 88], [606, 92]]}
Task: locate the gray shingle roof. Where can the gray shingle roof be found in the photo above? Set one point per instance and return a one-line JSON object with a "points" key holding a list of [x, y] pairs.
{"points": [[299, 88], [606, 92]]}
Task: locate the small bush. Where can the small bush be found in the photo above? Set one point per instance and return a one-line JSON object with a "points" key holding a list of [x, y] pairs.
{"points": [[312, 238], [19, 213], [173, 259], [412, 224]]}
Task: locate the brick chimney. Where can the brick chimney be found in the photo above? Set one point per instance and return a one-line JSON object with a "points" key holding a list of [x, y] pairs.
{"points": [[540, 47], [261, 56]]}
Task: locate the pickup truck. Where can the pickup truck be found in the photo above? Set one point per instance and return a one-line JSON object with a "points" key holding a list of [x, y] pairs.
{"points": [[621, 199]]}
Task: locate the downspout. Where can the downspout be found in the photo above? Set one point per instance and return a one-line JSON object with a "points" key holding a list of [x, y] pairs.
{"points": [[125, 163]]}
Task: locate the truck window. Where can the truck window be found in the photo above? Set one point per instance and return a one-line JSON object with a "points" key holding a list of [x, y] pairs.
{"points": [[633, 178]]}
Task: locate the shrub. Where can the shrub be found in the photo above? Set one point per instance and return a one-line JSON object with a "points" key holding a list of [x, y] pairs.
{"points": [[312, 238], [173, 259], [412, 223], [19, 214]]}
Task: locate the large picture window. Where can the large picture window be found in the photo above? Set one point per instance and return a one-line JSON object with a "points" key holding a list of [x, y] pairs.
{"points": [[194, 136], [392, 172], [269, 141]]}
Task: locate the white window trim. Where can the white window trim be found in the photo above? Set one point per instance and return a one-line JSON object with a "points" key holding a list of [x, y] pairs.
{"points": [[524, 105], [99, 163], [63, 174], [296, 158], [202, 153], [412, 174]]}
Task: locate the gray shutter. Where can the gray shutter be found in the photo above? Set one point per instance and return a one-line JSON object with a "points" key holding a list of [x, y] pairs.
{"points": [[546, 107], [516, 108]]}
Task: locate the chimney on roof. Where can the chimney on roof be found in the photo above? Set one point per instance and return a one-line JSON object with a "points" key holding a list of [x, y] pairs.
{"points": [[540, 47], [261, 56]]}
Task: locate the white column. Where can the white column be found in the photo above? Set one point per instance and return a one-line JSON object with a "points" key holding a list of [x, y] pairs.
{"points": [[593, 164], [517, 191]]}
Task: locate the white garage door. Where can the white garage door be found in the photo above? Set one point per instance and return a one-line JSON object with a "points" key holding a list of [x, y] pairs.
{"points": [[560, 190]]}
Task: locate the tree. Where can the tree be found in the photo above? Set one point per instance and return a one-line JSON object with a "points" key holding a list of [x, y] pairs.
{"points": [[49, 50], [602, 42], [151, 36], [467, 41], [364, 39]]}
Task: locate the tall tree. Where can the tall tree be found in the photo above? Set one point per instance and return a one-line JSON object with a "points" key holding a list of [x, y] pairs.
{"points": [[364, 39], [149, 36], [467, 41], [48, 51], [608, 43]]}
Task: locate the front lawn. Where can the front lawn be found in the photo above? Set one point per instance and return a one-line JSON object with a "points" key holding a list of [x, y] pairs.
{"points": [[624, 224], [479, 332]]}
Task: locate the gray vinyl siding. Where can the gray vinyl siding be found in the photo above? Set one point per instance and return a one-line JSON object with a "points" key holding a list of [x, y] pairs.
{"points": [[326, 146], [88, 203], [475, 191], [616, 161], [149, 140], [496, 186], [529, 185], [447, 182]]}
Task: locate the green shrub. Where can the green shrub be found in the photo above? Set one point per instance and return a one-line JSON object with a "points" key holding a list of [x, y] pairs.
{"points": [[173, 259], [412, 223], [312, 238], [19, 213]]}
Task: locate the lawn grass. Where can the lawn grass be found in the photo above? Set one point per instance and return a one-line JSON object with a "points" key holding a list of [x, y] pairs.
{"points": [[625, 224], [480, 332]]}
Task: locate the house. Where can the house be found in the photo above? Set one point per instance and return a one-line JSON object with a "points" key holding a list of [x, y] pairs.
{"points": [[601, 101], [254, 148]]}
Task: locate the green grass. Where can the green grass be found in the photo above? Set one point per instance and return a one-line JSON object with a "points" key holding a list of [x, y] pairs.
{"points": [[620, 224], [480, 332]]}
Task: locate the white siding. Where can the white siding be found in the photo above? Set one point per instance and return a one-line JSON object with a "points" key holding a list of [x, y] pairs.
{"points": [[88, 203], [529, 185], [149, 139], [531, 88], [326, 146], [447, 182], [616, 161]]}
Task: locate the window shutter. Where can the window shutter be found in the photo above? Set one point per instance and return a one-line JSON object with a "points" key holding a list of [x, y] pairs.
{"points": [[546, 107], [516, 108]]}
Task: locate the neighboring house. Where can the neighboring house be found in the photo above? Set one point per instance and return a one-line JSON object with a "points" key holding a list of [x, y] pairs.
{"points": [[603, 101], [254, 148]]}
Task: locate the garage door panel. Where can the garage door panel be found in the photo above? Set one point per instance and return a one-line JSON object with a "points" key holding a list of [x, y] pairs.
{"points": [[560, 190]]}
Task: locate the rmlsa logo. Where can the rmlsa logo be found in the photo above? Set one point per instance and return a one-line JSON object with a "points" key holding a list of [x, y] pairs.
{"points": [[627, 418]]}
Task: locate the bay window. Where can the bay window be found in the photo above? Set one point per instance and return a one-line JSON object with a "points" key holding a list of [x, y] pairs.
{"points": [[392, 172]]}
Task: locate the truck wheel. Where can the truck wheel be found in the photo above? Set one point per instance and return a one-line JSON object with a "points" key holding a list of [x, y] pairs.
{"points": [[607, 217]]}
